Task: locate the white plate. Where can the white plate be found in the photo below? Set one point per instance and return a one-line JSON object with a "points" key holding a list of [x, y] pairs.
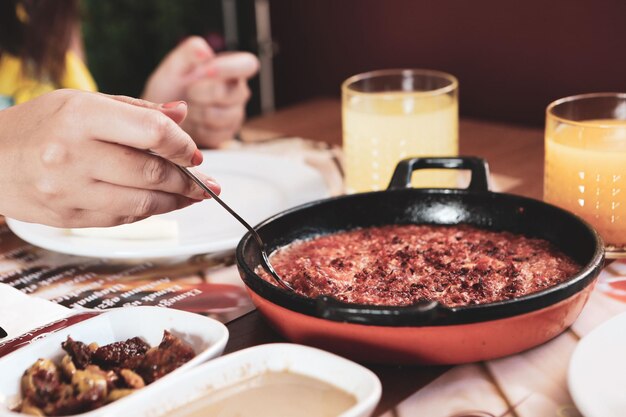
{"points": [[207, 336], [256, 186], [227, 370], [597, 371]]}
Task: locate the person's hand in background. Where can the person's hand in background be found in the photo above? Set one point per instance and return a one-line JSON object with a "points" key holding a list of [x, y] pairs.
{"points": [[215, 87], [77, 159]]}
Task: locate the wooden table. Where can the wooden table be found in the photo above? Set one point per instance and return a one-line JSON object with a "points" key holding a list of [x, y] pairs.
{"points": [[512, 151]]}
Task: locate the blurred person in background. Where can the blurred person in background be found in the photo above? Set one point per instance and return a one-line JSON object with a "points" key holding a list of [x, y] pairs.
{"points": [[41, 50]]}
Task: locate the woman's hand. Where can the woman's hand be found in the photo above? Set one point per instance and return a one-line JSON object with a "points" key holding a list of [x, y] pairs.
{"points": [[214, 86], [77, 159]]}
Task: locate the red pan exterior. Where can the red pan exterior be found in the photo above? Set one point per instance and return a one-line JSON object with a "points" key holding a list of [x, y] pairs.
{"points": [[426, 345]]}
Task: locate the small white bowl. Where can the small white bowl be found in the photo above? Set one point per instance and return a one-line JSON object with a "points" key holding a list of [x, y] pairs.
{"points": [[230, 369], [206, 336]]}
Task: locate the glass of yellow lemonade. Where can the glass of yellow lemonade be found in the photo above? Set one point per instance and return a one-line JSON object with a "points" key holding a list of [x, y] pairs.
{"points": [[585, 165], [390, 115]]}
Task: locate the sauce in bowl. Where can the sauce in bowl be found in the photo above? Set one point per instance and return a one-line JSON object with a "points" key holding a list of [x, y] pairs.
{"points": [[271, 394]]}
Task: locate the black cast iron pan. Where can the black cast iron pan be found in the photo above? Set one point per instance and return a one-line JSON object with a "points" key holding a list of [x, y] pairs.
{"points": [[401, 204]]}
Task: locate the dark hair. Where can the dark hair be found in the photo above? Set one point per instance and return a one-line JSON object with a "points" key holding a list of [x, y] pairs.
{"points": [[41, 38]]}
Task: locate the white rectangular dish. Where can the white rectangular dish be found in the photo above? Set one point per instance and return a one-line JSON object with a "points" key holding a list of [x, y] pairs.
{"points": [[206, 336], [184, 388]]}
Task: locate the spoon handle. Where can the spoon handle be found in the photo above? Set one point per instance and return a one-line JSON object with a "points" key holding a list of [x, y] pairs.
{"points": [[264, 258], [214, 196]]}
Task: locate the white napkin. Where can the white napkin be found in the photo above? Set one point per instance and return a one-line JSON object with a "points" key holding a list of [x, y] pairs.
{"points": [[20, 313]]}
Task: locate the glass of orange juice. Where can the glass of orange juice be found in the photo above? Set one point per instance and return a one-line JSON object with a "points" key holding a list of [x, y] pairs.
{"points": [[585, 165], [389, 115]]}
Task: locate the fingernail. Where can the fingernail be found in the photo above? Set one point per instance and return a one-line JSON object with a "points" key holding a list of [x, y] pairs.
{"points": [[197, 158], [201, 53], [173, 104], [212, 71], [215, 187]]}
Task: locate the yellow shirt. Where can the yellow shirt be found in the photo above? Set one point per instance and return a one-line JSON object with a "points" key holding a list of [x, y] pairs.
{"points": [[15, 88]]}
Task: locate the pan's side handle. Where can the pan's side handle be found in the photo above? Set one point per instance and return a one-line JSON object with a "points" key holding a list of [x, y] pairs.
{"points": [[420, 313], [479, 169]]}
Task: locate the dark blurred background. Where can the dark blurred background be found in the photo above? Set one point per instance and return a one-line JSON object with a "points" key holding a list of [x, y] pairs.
{"points": [[511, 58]]}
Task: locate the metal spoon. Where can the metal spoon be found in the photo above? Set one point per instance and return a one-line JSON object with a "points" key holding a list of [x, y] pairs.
{"points": [[265, 262]]}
